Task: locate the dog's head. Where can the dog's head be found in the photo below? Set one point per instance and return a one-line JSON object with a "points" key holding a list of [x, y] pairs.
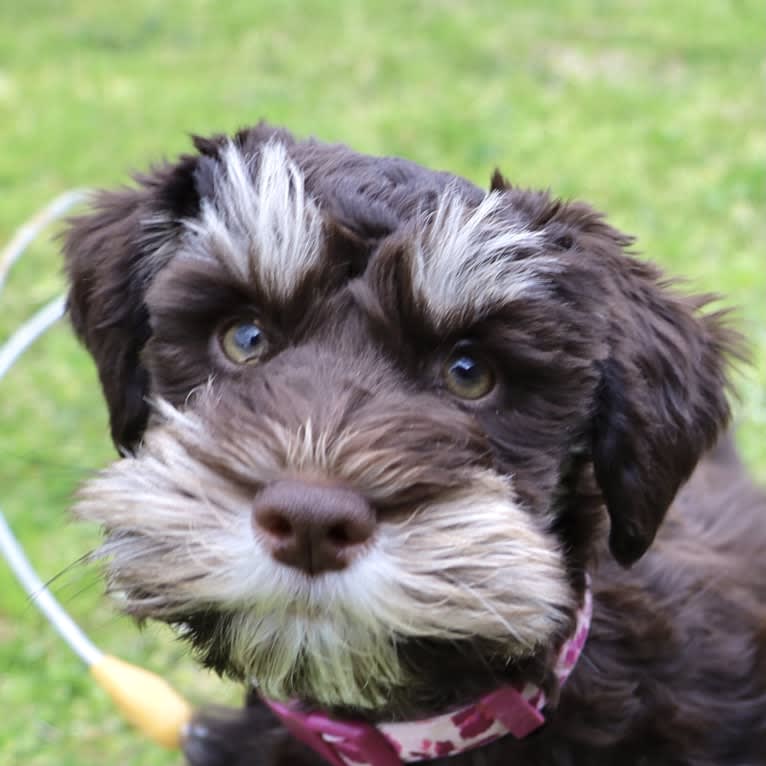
{"points": [[371, 416]]}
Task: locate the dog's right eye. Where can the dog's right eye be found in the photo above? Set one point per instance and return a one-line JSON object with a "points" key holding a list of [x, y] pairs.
{"points": [[466, 374], [244, 342]]}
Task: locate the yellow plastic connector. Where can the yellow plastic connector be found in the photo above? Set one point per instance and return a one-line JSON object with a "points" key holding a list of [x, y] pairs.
{"points": [[146, 700]]}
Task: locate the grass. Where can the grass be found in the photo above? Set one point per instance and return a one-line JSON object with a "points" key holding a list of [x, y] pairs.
{"points": [[651, 110]]}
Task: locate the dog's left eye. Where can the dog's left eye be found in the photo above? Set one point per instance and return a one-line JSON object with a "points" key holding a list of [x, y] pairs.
{"points": [[466, 375], [244, 342]]}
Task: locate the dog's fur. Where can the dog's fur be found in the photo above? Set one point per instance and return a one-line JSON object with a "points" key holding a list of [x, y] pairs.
{"points": [[364, 273]]}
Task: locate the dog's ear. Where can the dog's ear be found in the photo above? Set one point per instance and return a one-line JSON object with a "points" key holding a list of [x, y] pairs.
{"points": [[111, 254], [662, 396]]}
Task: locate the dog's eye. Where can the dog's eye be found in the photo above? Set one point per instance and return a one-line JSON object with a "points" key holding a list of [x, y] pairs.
{"points": [[244, 342], [467, 376]]}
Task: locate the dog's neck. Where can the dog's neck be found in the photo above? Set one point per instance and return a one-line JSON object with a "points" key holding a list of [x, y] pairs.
{"points": [[514, 710]]}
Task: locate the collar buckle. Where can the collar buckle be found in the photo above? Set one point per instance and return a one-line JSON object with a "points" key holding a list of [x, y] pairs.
{"points": [[510, 707]]}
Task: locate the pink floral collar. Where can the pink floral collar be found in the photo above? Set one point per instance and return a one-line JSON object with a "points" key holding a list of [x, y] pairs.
{"points": [[507, 710]]}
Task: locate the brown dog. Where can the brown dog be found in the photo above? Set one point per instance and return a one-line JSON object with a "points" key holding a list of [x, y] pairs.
{"points": [[374, 423]]}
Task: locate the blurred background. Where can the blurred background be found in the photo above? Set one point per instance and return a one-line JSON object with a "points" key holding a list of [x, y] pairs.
{"points": [[651, 110]]}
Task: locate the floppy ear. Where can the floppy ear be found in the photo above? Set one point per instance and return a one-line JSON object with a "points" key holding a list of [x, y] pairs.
{"points": [[111, 255], [662, 396]]}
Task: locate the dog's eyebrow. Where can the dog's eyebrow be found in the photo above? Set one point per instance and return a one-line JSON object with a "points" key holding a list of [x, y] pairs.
{"points": [[470, 259], [259, 223]]}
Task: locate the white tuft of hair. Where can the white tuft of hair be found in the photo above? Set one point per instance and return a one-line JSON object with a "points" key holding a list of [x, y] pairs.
{"points": [[464, 262], [263, 227]]}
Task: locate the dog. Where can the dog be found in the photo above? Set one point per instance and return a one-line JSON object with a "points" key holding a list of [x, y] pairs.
{"points": [[395, 452]]}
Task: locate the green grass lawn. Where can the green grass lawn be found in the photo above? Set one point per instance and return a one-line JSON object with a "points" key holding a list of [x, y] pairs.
{"points": [[651, 110]]}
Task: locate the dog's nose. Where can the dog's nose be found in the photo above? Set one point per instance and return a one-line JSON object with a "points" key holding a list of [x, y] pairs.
{"points": [[312, 527]]}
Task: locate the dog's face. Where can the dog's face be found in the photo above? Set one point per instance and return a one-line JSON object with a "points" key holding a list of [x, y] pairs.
{"points": [[373, 418]]}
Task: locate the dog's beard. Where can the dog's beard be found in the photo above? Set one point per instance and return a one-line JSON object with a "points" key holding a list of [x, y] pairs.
{"points": [[467, 564]]}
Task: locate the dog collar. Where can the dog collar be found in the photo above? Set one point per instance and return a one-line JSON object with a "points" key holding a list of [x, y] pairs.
{"points": [[507, 710]]}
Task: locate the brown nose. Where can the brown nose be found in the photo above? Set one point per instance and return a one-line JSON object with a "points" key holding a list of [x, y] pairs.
{"points": [[312, 527]]}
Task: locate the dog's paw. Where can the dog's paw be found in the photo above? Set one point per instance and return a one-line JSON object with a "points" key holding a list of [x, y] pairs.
{"points": [[248, 736], [220, 736]]}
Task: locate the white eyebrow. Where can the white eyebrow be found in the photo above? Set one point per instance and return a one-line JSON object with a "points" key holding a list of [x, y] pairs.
{"points": [[464, 264], [263, 227]]}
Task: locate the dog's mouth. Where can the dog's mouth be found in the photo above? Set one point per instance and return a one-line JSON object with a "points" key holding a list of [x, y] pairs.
{"points": [[398, 678]]}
